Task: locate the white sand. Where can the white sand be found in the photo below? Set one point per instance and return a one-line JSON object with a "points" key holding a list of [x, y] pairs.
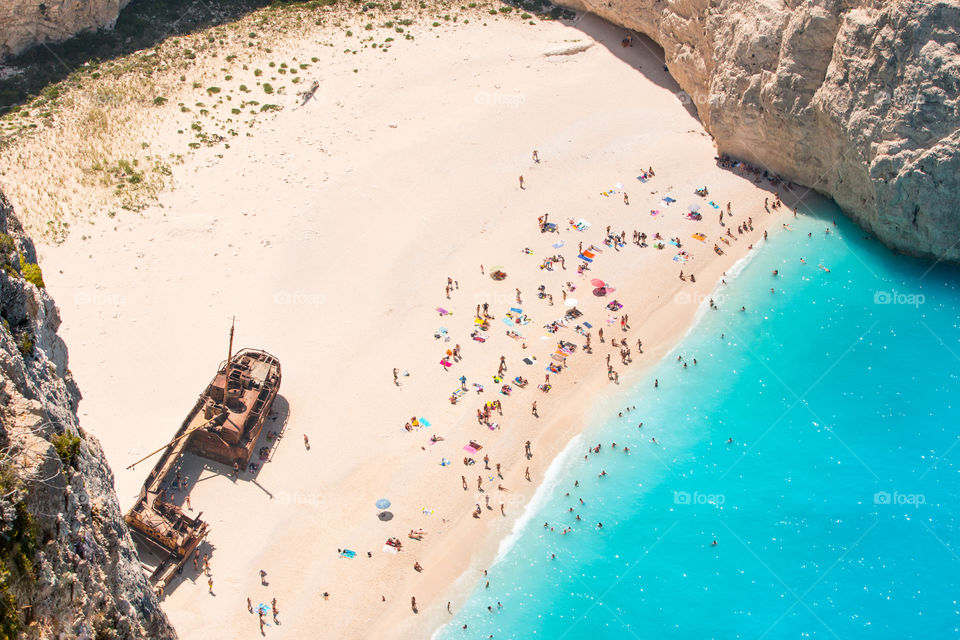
{"points": [[330, 234]]}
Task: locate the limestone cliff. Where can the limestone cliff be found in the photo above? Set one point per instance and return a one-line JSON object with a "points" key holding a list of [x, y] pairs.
{"points": [[68, 568], [857, 99], [25, 23]]}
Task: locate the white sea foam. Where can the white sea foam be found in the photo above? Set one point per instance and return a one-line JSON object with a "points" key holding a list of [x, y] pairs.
{"points": [[550, 480]]}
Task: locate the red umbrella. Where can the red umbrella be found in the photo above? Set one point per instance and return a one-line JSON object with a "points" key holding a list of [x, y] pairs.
{"points": [[597, 282]]}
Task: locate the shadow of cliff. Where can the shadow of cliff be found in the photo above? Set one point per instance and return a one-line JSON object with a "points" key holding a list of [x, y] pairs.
{"points": [[635, 49], [141, 25]]}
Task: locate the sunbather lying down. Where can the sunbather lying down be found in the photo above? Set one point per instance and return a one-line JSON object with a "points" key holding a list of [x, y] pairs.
{"points": [[436, 438]]}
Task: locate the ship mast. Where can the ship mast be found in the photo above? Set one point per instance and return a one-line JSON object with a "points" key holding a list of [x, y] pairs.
{"points": [[226, 381]]}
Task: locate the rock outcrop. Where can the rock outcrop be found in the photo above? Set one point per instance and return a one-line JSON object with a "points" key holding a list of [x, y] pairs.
{"points": [[857, 99], [68, 568], [25, 23]]}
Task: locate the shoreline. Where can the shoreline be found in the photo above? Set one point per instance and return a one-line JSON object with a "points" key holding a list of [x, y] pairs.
{"points": [[320, 302]]}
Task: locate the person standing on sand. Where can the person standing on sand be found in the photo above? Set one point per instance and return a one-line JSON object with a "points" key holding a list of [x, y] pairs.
{"points": [[626, 199], [534, 410], [413, 604], [396, 376], [526, 474], [536, 157], [306, 442], [210, 585], [464, 480], [521, 183]]}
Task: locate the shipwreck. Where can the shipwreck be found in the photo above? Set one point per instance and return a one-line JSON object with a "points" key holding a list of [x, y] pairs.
{"points": [[224, 426]]}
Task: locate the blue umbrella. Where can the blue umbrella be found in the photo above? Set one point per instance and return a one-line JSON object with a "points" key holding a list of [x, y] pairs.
{"points": [[383, 503]]}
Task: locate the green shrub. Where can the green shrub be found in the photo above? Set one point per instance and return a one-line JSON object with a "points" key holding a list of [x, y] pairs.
{"points": [[67, 446], [267, 87], [213, 90], [25, 345], [159, 101], [31, 273]]}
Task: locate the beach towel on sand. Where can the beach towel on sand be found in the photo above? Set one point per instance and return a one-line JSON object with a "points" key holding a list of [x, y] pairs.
{"points": [[347, 553]]}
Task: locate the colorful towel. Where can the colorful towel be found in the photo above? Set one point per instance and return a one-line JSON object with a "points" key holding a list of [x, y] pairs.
{"points": [[713, 204], [347, 553], [699, 236], [668, 200], [654, 212], [443, 311]]}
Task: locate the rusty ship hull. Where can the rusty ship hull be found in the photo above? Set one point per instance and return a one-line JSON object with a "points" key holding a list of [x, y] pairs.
{"points": [[224, 425]]}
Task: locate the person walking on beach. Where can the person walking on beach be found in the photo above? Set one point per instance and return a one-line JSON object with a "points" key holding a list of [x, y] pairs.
{"points": [[526, 474], [536, 157], [249, 605], [263, 577], [210, 585], [534, 410], [396, 376], [464, 480], [521, 183], [413, 604]]}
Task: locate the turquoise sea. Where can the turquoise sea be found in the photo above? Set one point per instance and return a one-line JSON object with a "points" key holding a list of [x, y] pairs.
{"points": [[835, 508]]}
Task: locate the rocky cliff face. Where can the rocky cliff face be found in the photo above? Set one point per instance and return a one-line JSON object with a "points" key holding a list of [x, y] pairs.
{"points": [[857, 99], [24, 23], [68, 568]]}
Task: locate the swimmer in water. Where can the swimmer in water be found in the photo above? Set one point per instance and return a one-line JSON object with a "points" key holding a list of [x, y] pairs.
{"points": [[802, 261], [713, 544], [729, 440]]}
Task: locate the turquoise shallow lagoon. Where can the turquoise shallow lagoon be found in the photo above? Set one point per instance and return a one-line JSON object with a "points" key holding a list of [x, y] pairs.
{"points": [[835, 508]]}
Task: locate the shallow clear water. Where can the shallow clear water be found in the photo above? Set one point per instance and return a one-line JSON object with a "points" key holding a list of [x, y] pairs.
{"points": [[835, 508]]}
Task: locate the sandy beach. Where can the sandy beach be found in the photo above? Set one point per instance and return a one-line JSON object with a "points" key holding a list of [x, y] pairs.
{"points": [[329, 231]]}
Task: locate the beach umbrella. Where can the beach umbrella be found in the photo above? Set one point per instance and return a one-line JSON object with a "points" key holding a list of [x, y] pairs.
{"points": [[383, 503], [597, 282], [385, 516], [570, 302], [695, 208]]}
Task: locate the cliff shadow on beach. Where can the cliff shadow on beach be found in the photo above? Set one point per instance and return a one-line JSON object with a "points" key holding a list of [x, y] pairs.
{"points": [[141, 25], [636, 50]]}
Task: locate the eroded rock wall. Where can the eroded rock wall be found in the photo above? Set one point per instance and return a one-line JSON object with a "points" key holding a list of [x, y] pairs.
{"points": [[25, 23], [69, 569], [857, 99]]}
